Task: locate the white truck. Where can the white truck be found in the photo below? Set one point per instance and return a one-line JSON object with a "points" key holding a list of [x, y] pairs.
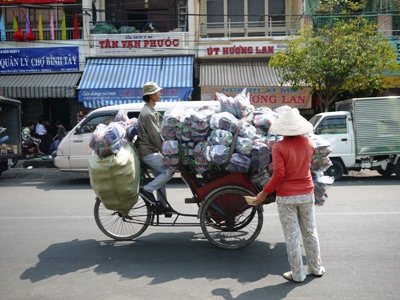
{"points": [[364, 134]]}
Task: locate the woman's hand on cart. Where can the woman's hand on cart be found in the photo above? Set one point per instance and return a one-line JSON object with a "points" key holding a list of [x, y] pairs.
{"points": [[260, 197]]}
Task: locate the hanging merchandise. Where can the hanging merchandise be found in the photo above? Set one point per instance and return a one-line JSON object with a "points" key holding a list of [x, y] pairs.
{"points": [[40, 27], [30, 36], [51, 25], [63, 28], [76, 30], [18, 35], [2, 28]]}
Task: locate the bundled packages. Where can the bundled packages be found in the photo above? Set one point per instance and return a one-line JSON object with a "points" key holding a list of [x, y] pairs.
{"points": [[114, 165]]}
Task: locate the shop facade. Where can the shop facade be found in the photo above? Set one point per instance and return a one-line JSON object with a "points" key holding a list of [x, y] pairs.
{"points": [[44, 79]]}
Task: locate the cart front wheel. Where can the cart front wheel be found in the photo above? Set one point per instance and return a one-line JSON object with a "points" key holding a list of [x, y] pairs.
{"points": [[228, 221], [122, 229]]}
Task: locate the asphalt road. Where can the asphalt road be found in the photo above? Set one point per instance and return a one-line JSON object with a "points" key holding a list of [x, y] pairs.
{"points": [[51, 247]]}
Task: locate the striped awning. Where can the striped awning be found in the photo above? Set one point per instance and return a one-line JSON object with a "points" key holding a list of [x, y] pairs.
{"points": [[111, 81], [238, 74], [49, 85]]}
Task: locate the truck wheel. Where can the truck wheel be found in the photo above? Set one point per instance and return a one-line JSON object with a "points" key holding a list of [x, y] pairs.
{"points": [[397, 169], [336, 170], [385, 173]]}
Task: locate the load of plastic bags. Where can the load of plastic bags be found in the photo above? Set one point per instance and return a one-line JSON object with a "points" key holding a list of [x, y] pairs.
{"points": [[235, 138], [114, 165]]}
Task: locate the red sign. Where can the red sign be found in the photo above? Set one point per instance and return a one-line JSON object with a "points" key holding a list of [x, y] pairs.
{"points": [[2, 2]]}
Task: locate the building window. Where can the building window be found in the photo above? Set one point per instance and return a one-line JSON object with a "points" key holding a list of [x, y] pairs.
{"points": [[245, 17]]}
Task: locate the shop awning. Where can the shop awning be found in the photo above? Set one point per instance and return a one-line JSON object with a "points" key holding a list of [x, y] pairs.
{"points": [[262, 82], [110, 81], [49, 85], [238, 74]]}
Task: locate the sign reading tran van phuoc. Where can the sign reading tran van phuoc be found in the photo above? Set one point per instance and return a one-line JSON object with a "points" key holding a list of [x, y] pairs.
{"points": [[39, 60], [165, 43]]}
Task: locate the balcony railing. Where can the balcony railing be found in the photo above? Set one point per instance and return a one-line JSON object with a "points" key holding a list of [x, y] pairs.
{"points": [[392, 30], [47, 34], [249, 29]]}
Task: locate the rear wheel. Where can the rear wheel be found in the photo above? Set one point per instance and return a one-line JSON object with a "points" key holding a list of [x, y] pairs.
{"points": [[397, 169], [336, 170], [385, 173], [228, 221], [113, 225]]}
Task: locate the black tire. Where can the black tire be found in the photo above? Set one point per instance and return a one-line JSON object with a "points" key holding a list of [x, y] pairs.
{"points": [[123, 229], [397, 169], [14, 161], [226, 219], [336, 170], [385, 173]]}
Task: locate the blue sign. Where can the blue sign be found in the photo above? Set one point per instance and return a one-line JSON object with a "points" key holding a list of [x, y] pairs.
{"points": [[39, 60], [131, 95]]}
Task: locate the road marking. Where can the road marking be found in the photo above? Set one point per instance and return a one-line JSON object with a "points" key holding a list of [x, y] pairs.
{"points": [[352, 214]]}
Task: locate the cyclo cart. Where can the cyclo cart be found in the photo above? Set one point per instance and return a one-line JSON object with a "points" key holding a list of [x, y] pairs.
{"points": [[226, 219]]}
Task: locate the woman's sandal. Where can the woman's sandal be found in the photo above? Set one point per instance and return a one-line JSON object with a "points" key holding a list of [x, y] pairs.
{"points": [[288, 276]]}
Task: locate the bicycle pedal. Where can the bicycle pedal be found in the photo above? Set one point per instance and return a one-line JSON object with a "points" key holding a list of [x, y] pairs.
{"points": [[191, 200], [168, 215]]}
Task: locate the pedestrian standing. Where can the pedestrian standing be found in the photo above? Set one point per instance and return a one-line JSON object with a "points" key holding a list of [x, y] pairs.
{"points": [[292, 181], [41, 133]]}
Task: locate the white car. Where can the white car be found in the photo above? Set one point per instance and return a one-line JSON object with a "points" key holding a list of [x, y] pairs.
{"points": [[73, 152]]}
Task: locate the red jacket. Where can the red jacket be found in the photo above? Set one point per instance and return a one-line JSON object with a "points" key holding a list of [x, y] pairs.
{"points": [[291, 160]]}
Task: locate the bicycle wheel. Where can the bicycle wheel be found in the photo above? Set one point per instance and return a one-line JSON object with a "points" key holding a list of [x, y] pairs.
{"points": [[122, 229], [228, 221]]}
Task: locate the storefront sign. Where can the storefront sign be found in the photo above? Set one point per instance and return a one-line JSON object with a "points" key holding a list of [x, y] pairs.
{"points": [[133, 95], [39, 60], [243, 49], [35, 1], [271, 97], [140, 44]]}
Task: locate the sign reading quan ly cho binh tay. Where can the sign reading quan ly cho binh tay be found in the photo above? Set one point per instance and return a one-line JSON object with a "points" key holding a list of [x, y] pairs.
{"points": [[39, 60]]}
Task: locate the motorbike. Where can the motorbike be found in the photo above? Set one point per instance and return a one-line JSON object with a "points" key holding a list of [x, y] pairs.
{"points": [[28, 149], [7, 157]]}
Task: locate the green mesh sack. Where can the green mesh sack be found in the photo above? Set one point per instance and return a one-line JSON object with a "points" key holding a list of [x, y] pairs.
{"points": [[115, 179]]}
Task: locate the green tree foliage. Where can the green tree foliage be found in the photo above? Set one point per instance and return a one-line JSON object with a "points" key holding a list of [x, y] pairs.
{"points": [[345, 56]]}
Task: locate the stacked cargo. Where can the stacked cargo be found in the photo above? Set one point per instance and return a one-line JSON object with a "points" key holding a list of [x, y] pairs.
{"points": [[234, 138]]}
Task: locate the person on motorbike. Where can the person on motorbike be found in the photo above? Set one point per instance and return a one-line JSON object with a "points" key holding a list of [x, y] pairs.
{"points": [[28, 139]]}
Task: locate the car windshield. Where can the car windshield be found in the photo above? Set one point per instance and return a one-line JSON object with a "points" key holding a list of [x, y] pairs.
{"points": [[314, 120]]}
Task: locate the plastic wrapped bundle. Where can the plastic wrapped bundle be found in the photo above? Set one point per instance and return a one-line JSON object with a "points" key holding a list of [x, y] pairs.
{"points": [[170, 147], [320, 163], [200, 120], [263, 119], [273, 139], [260, 156], [224, 120], [131, 129], [199, 153], [217, 154], [248, 131], [171, 162], [200, 135], [184, 133], [115, 179], [241, 102], [239, 163], [168, 131], [260, 179], [172, 116], [107, 140], [243, 146], [201, 168], [227, 103], [321, 184], [220, 137]]}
